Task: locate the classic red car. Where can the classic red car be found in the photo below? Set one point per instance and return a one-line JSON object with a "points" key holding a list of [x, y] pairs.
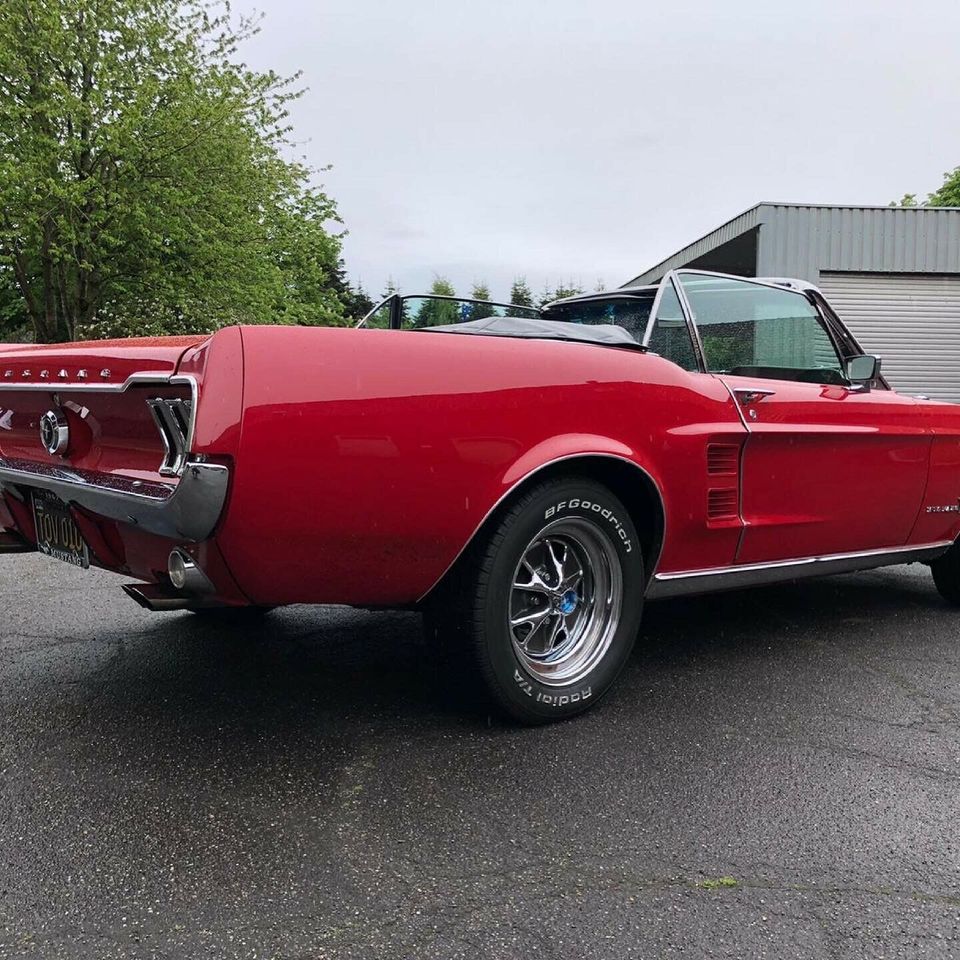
{"points": [[526, 481]]}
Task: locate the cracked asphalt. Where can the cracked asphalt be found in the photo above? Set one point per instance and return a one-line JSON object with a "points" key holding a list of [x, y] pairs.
{"points": [[776, 775]]}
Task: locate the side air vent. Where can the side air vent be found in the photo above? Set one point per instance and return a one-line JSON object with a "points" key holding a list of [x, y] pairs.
{"points": [[721, 504], [172, 418], [722, 459]]}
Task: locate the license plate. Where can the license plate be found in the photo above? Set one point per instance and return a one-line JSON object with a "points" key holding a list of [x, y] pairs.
{"points": [[57, 532]]}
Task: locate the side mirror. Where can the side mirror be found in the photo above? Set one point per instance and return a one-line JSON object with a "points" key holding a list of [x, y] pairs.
{"points": [[863, 369]]}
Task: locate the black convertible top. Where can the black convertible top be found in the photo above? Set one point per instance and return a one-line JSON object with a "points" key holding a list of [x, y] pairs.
{"points": [[605, 334]]}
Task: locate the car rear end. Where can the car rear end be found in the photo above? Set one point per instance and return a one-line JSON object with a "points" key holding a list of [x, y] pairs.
{"points": [[118, 454]]}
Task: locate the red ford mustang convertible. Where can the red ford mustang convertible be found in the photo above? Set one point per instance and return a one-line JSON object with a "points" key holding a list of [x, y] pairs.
{"points": [[526, 480]]}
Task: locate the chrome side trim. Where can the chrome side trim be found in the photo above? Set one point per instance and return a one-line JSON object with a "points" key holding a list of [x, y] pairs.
{"points": [[690, 582], [570, 456], [188, 511]]}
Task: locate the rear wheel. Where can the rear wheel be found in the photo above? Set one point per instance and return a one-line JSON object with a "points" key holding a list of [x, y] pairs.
{"points": [[546, 608], [946, 575]]}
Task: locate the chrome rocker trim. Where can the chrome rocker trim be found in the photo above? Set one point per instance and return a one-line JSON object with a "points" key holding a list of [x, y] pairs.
{"points": [[691, 582], [188, 511]]}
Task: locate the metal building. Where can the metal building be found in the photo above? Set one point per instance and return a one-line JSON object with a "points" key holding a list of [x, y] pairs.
{"points": [[892, 273]]}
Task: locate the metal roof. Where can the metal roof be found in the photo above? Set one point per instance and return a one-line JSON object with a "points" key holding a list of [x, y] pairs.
{"points": [[801, 240]]}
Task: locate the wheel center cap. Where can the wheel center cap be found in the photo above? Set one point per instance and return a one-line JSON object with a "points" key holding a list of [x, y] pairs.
{"points": [[568, 602]]}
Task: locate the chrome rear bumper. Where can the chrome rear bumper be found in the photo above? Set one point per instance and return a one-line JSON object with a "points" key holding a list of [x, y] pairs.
{"points": [[188, 510]]}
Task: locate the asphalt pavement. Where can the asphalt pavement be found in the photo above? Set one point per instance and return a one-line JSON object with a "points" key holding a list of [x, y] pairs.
{"points": [[776, 775]]}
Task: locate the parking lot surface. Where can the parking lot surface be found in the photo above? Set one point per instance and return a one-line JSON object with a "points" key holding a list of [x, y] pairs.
{"points": [[776, 775]]}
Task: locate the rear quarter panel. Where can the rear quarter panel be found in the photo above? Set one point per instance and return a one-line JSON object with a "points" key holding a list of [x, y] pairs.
{"points": [[368, 458]]}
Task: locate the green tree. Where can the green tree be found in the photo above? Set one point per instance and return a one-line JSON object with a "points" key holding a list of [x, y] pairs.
{"points": [[947, 195], [570, 290], [477, 311], [433, 313], [14, 322], [143, 185], [520, 296], [357, 303]]}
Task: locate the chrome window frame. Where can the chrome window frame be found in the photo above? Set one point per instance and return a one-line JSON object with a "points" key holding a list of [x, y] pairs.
{"points": [[831, 323], [670, 277]]}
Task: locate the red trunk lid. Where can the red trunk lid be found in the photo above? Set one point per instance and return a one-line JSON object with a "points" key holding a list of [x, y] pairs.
{"points": [[111, 427]]}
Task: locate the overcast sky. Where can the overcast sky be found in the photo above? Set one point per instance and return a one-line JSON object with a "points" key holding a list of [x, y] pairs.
{"points": [[589, 139]]}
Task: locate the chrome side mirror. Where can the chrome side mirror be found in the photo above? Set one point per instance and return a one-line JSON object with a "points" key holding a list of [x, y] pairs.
{"points": [[863, 369]]}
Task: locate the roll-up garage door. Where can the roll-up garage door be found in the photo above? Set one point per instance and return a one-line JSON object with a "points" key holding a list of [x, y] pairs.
{"points": [[911, 320]]}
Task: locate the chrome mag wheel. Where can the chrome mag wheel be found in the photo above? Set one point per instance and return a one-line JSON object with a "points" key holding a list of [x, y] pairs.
{"points": [[566, 601]]}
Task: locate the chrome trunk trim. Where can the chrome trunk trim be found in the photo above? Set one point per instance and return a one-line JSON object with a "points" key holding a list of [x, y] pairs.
{"points": [[187, 511], [136, 380], [691, 582]]}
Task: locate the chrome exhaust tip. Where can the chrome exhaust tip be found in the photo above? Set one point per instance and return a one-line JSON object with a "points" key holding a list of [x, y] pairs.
{"points": [[186, 576], [153, 597]]}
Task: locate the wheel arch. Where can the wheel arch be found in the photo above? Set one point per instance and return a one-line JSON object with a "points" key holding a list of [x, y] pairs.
{"points": [[631, 483]]}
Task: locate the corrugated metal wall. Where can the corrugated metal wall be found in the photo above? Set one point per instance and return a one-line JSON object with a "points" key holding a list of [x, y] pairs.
{"points": [[803, 242], [911, 320]]}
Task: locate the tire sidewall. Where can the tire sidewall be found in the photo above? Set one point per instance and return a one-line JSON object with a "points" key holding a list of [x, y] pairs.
{"points": [[526, 696]]}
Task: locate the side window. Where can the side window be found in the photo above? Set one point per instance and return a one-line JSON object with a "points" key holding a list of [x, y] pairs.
{"points": [[430, 312], [380, 318], [748, 329], [670, 336]]}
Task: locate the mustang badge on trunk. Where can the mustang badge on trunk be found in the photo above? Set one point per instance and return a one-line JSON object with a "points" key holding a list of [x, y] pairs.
{"points": [[54, 432]]}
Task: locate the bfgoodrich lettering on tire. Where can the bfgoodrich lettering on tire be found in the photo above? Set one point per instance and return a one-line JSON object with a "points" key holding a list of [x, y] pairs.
{"points": [[545, 609]]}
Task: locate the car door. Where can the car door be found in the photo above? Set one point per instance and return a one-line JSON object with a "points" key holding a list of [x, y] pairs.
{"points": [[828, 466]]}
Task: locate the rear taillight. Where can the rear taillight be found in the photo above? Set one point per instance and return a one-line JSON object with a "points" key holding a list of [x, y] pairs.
{"points": [[173, 418]]}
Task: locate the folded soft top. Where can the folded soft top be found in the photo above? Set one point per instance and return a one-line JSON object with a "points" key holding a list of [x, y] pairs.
{"points": [[608, 334]]}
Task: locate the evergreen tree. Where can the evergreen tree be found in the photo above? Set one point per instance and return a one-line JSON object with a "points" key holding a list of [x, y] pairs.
{"points": [[357, 302], [477, 311], [570, 290], [520, 296], [435, 313]]}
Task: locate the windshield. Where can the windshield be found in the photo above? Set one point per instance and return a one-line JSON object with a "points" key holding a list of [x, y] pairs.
{"points": [[417, 312], [630, 313]]}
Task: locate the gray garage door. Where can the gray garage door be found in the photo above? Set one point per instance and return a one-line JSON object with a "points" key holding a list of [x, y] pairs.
{"points": [[911, 320]]}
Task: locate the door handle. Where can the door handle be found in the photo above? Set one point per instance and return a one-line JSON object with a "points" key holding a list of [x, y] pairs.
{"points": [[748, 395]]}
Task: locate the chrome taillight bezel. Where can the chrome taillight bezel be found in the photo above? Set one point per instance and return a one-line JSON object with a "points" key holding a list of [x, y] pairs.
{"points": [[174, 419]]}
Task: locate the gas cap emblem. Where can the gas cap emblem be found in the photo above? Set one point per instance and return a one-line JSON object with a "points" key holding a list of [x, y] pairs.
{"points": [[54, 432]]}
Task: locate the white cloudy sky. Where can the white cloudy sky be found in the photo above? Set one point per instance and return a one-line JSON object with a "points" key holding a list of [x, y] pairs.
{"points": [[481, 139]]}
